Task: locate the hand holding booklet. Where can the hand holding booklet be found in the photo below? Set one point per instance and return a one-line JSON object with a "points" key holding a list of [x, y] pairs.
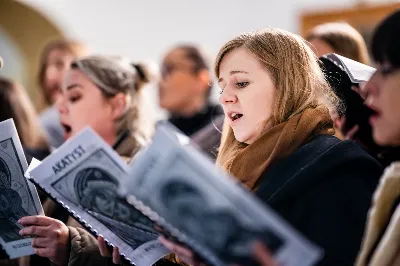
{"points": [[18, 198], [181, 190], [170, 184], [83, 175]]}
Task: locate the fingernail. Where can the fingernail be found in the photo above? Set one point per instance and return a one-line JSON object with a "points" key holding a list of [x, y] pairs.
{"points": [[20, 232]]}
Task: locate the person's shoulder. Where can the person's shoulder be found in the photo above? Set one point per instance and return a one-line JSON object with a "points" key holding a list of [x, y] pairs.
{"points": [[37, 153], [336, 164], [323, 160], [50, 118], [329, 156], [329, 150], [349, 152]]}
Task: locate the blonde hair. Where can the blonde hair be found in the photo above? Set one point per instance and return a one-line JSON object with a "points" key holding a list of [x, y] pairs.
{"points": [[299, 80], [343, 38], [113, 75]]}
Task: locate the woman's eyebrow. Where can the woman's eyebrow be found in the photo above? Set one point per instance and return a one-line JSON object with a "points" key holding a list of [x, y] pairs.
{"points": [[232, 73]]}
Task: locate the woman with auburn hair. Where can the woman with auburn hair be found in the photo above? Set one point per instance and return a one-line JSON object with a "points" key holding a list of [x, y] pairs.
{"points": [[278, 141]]}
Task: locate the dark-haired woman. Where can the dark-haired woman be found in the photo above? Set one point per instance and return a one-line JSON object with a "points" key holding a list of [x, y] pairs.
{"points": [[381, 244]]}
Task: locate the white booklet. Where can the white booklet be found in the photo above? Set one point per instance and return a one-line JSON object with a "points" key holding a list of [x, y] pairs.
{"points": [[18, 197], [83, 175], [180, 189], [356, 71]]}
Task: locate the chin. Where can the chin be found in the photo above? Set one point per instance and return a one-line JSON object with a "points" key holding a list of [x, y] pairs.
{"points": [[166, 106], [162, 104], [385, 139], [241, 137]]}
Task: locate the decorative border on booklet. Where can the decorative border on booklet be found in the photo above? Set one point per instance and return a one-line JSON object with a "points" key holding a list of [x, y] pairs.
{"points": [[81, 221]]}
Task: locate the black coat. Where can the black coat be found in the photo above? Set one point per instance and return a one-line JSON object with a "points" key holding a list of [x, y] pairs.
{"points": [[324, 190]]}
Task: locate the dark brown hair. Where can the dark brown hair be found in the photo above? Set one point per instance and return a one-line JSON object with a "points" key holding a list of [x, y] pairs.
{"points": [[72, 47], [385, 41], [198, 59], [15, 104], [343, 38], [196, 56]]}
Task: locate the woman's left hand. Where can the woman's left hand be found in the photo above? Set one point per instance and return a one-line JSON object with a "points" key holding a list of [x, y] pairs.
{"points": [[348, 135], [261, 254], [50, 237], [116, 258], [184, 254]]}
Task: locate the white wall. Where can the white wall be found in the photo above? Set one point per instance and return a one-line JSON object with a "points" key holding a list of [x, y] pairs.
{"points": [[146, 29]]}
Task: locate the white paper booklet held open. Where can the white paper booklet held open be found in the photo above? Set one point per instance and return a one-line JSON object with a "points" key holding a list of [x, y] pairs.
{"points": [[180, 189], [83, 175], [18, 197]]}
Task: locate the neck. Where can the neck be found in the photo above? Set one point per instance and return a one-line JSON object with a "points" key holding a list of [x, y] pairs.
{"points": [[110, 139], [192, 107]]}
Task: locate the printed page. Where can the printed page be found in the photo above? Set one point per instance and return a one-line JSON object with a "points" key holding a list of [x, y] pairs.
{"points": [[180, 188], [84, 175], [19, 197], [356, 71]]}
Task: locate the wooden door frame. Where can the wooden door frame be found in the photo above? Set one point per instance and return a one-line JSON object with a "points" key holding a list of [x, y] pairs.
{"points": [[360, 16]]}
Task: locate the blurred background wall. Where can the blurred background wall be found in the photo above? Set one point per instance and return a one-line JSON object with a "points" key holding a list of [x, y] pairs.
{"points": [[144, 30]]}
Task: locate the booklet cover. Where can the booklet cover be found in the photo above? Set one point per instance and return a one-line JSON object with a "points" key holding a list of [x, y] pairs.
{"points": [[18, 198], [83, 175], [356, 71], [180, 189]]}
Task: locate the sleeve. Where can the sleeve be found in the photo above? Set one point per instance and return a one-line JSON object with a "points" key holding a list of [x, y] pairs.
{"points": [[84, 249]]}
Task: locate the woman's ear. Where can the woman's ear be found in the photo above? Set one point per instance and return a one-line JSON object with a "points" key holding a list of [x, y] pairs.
{"points": [[118, 105], [204, 78]]}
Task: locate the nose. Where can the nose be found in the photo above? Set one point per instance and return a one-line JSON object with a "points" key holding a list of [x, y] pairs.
{"points": [[372, 86], [227, 96], [61, 105]]}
